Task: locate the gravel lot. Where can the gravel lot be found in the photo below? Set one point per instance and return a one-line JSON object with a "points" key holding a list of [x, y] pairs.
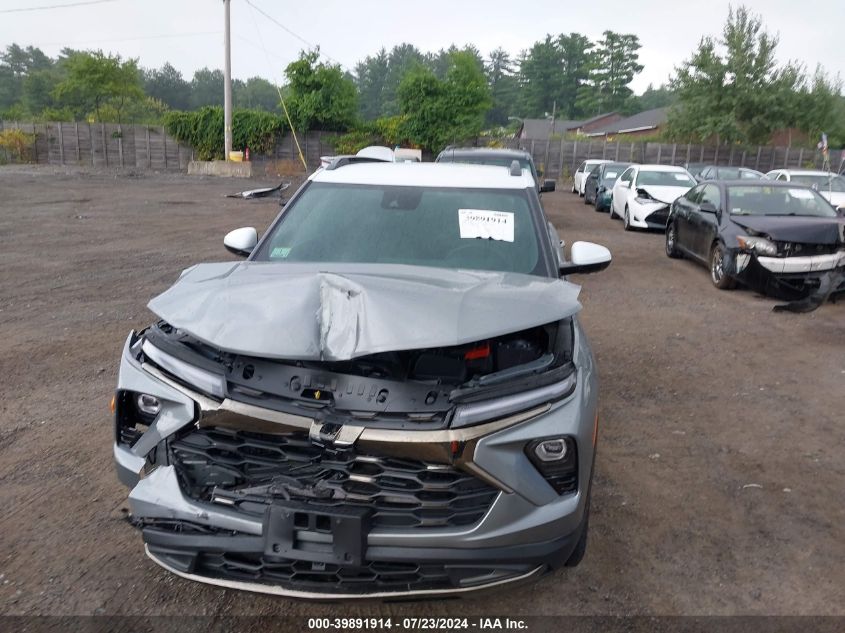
{"points": [[721, 472]]}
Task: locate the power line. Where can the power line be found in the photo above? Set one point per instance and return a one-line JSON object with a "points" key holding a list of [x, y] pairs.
{"points": [[296, 35], [131, 39], [56, 6]]}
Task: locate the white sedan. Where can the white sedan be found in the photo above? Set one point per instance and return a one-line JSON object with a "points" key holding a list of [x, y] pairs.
{"points": [[643, 194], [584, 169], [830, 186]]}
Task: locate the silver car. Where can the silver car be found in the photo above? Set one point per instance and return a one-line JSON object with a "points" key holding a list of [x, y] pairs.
{"points": [[391, 397]]}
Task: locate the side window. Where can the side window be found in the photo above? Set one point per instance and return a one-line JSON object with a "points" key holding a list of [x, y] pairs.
{"points": [[707, 173], [781, 176], [710, 193], [581, 168], [627, 175], [694, 194]]}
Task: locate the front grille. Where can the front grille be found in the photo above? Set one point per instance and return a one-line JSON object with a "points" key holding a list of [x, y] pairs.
{"points": [[252, 469], [659, 217], [375, 576]]}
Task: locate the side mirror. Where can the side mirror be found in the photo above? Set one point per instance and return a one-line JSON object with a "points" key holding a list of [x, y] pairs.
{"points": [[548, 185], [707, 207], [241, 241], [586, 257]]}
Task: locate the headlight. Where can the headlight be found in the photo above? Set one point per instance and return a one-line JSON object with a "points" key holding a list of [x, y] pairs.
{"points": [[644, 196], [204, 381], [759, 245]]}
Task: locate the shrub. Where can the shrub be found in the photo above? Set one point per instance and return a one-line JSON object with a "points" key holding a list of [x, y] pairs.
{"points": [[384, 131], [203, 130], [17, 144]]}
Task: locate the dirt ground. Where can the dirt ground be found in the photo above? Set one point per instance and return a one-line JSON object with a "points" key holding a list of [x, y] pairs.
{"points": [[720, 484]]}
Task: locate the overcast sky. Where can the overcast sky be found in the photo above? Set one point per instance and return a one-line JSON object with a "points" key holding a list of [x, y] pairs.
{"points": [[188, 33]]}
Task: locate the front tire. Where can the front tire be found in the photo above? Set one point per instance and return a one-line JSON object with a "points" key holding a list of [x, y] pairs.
{"points": [[577, 554], [672, 242], [718, 276], [627, 219]]}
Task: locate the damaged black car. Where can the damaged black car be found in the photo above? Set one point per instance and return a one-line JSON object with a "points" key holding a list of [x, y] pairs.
{"points": [[780, 239]]}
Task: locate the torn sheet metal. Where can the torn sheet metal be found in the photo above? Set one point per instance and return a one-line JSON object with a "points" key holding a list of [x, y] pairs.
{"points": [[302, 311], [829, 284], [264, 192]]}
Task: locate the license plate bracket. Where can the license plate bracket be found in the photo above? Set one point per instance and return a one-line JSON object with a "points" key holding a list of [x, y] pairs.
{"points": [[337, 534]]}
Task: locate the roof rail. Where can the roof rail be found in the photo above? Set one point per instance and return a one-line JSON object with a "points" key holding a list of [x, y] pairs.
{"points": [[342, 161], [516, 169]]}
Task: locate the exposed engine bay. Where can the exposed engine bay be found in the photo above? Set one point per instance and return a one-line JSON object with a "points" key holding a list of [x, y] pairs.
{"points": [[384, 388]]}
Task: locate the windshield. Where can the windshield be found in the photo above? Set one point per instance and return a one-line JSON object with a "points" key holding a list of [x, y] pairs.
{"points": [[820, 182], [736, 173], [664, 179], [761, 200], [481, 229], [612, 172], [495, 161]]}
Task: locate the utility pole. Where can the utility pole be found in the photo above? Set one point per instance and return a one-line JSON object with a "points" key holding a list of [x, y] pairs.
{"points": [[227, 82]]}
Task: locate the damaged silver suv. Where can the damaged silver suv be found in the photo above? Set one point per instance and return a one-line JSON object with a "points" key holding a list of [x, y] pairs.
{"points": [[391, 397]]}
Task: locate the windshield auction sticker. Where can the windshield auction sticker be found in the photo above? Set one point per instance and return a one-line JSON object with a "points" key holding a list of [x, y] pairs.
{"points": [[488, 225]]}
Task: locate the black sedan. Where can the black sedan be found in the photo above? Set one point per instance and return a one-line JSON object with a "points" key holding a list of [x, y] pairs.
{"points": [[599, 184], [777, 238]]}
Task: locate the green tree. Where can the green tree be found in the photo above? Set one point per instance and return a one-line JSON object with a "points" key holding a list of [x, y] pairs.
{"points": [[540, 77], [206, 88], [501, 78], [575, 57], [612, 66], [95, 79], [256, 93], [169, 86], [437, 112], [371, 77], [650, 99], [321, 95], [402, 59], [732, 88], [16, 64]]}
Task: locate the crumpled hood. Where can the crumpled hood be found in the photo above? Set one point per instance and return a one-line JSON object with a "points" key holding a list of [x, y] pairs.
{"points": [[789, 228], [665, 195], [317, 312]]}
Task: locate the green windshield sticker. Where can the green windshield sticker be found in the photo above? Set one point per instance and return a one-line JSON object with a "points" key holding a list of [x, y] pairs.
{"points": [[280, 252]]}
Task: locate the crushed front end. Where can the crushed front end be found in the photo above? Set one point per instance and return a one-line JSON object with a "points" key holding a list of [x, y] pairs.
{"points": [[398, 474], [785, 270]]}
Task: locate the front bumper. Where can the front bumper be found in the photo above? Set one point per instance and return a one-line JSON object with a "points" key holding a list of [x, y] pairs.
{"points": [[526, 528], [651, 215], [787, 278]]}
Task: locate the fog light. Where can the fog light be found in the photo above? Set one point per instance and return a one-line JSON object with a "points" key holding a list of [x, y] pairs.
{"points": [[148, 404], [551, 450], [556, 459]]}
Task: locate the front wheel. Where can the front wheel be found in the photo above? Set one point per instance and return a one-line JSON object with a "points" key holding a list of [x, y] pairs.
{"points": [[627, 219], [672, 242], [718, 275]]}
